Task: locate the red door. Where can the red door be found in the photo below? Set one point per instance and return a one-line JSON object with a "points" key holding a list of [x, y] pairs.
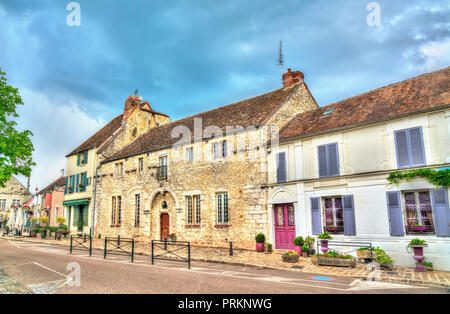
{"points": [[284, 226], [164, 226]]}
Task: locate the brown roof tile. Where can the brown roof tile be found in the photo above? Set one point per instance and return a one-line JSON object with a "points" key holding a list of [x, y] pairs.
{"points": [[98, 138], [250, 112], [415, 94], [61, 181]]}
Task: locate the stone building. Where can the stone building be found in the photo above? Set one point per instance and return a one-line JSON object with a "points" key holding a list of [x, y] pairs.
{"points": [[330, 169], [51, 201], [201, 178], [83, 161], [14, 194]]}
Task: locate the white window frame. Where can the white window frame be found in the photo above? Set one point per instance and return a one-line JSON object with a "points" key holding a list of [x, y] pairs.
{"points": [[221, 209]]}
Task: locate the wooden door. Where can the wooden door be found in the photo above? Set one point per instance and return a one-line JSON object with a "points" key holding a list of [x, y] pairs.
{"points": [[164, 226], [284, 217]]}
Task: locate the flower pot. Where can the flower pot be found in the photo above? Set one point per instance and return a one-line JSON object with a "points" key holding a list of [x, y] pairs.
{"points": [[418, 256], [58, 235], [304, 254], [43, 234], [290, 258], [419, 228], [33, 233], [259, 247], [311, 252], [324, 245], [332, 229], [298, 249]]}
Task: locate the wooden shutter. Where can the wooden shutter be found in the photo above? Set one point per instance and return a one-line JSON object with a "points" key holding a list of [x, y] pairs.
{"points": [[78, 181], [85, 215], [86, 181], [67, 185], [315, 215], [78, 159], [417, 151], [86, 157], [322, 157], [395, 213], [441, 211], [401, 145], [349, 215], [281, 167], [333, 159]]}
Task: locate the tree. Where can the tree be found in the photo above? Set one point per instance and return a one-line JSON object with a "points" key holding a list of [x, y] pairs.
{"points": [[16, 147]]}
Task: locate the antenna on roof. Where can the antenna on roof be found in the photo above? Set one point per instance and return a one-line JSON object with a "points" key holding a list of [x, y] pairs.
{"points": [[281, 57], [136, 92]]}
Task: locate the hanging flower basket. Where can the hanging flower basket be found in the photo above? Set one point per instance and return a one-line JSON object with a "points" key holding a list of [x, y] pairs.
{"points": [[419, 228], [332, 228]]}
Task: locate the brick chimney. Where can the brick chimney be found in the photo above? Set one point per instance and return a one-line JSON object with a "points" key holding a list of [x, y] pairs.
{"points": [[131, 103], [291, 78]]}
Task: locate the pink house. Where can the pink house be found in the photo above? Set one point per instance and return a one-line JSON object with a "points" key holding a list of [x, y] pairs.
{"points": [[52, 198]]}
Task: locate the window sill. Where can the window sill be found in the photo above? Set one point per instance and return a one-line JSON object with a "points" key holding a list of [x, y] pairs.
{"points": [[192, 226], [222, 226], [115, 226]]}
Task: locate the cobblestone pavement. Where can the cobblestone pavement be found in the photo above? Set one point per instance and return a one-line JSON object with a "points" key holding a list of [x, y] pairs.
{"points": [[273, 260], [9, 285]]}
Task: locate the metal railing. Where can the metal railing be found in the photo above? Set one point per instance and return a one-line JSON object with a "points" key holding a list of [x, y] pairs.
{"points": [[80, 243], [119, 246], [333, 244], [171, 254]]}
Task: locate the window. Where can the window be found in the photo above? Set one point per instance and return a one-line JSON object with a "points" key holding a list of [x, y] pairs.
{"points": [[193, 209], [15, 203], [224, 149], [328, 158], [333, 214], [116, 211], [83, 182], [82, 158], [418, 212], [119, 210], [189, 209], [409, 148], [281, 167], [222, 208], [2, 205], [113, 211], [197, 209], [162, 169], [119, 169], [190, 154], [216, 150], [137, 219], [141, 165]]}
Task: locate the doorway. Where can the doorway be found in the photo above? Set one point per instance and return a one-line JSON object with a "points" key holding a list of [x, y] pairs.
{"points": [[164, 226], [284, 218]]}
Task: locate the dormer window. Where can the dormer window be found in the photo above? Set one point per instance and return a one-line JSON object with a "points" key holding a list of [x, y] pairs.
{"points": [[82, 158]]}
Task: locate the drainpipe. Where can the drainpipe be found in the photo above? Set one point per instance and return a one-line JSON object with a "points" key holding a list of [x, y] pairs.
{"points": [[95, 197]]}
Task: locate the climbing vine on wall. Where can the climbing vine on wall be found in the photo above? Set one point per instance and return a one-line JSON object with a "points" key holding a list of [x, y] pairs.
{"points": [[436, 177]]}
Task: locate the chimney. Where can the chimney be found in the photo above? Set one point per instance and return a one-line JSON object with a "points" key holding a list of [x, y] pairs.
{"points": [[291, 78], [131, 103]]}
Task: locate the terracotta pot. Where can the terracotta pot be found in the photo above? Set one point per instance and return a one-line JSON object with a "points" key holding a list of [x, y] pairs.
{"points": [[259, 247], [298, 249]]}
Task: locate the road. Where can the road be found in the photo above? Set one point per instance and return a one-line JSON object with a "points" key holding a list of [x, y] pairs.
{"points": [[44, 269]]}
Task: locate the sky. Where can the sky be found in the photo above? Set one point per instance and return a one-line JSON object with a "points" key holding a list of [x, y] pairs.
{"points": [[188, 56]]}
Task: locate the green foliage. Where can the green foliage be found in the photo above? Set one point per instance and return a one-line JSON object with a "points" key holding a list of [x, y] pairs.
{"points": [[269, 245], [298, 241], [414, 242], [332, 253], [384, 259], [436, 177], [43, 219], [260, 238], [16, 147], [310, 242], [99, 236], [324, 236], [428, 264], [305, 248], [290, 253], [60, 220], [38, 230]]}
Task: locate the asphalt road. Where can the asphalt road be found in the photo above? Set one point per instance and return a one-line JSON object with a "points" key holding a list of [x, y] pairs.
{"points": [[49, 269]]}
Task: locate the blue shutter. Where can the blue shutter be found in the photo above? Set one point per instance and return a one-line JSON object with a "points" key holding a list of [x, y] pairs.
{"points": [[86, 181], [401, 148], [72, 183], [78, 159], [441, 210], [315, 215], [417, 150], [349, 215], [395, 213], [67, 185], [78, 181], [281, 167], [86, 157], [322, 158], [333, 159]]}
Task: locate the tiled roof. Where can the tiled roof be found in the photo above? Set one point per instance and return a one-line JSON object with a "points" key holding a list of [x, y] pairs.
{"points": [[250, 112], [98, 138], [61, 181], [416, 94]]}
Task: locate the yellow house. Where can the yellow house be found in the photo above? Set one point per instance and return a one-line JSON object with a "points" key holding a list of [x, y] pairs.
{"points": [[330, 170]]}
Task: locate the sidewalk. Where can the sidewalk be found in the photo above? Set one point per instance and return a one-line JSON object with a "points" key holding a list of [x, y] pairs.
{"points": [[399, 274]]}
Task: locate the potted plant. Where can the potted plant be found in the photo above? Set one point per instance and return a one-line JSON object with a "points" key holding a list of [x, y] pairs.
{"points": [[298, 243], [419, 227], [80, 226], [269, 247], [61, 221], [384, 261], [43, 233], [43, 220], [34, 232], [310, 242], [332, 228], [305, 250], [290, 257], [333, 258], [260, 238], [34, 221], [324, 237], [417, 245], [428, 265]]}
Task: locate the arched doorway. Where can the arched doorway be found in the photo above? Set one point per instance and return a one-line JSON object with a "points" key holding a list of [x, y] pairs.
{"points": [[163, 216]]}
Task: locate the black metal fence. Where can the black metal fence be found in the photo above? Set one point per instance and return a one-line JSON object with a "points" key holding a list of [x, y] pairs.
{"points": [[334, 245], [119, 246], [81, 243], [171, 251]]}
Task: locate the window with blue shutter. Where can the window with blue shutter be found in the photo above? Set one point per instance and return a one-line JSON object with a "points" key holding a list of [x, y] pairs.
{"points": [[78, 182], [409, 148], [315, 215], [281, 167], [349, 215], [394, 206], [441, 209], [328, 160], [78, 159], [85, 157], [67, 185]]}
